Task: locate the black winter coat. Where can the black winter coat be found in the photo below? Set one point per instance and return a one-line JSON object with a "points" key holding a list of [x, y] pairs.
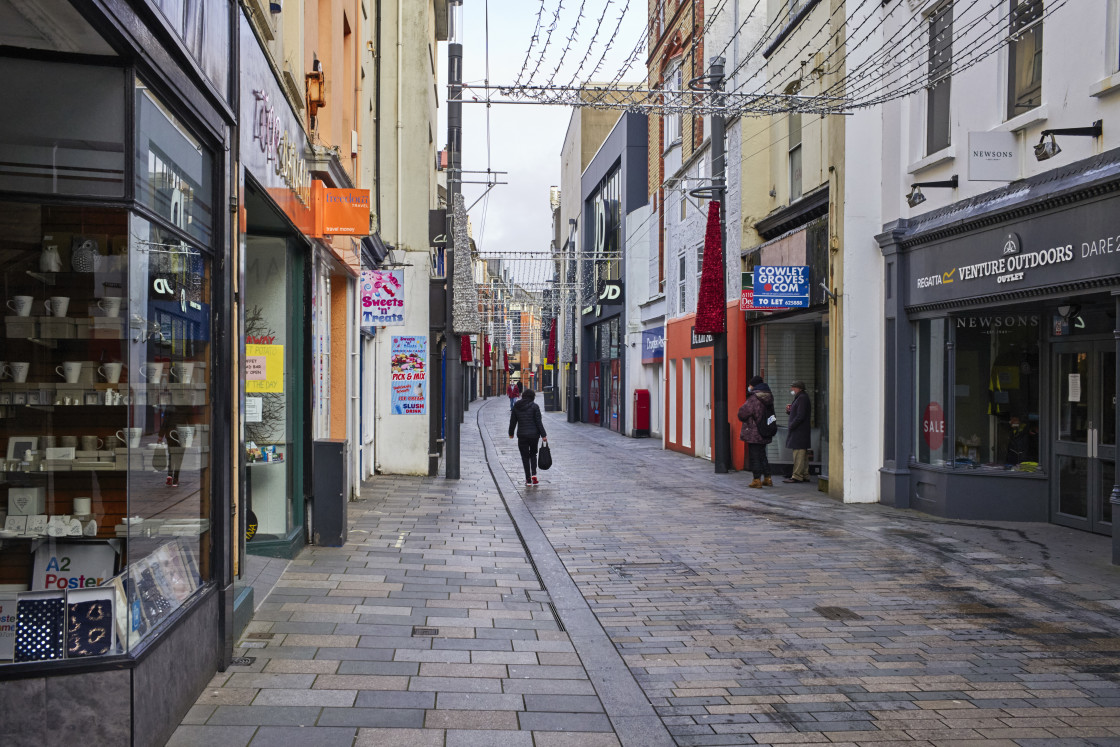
{"points": [[800, 431], [525, 419]]}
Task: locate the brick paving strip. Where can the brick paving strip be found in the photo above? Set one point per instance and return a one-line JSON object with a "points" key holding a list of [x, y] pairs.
{"points": [[783, 617], [430, 627]]}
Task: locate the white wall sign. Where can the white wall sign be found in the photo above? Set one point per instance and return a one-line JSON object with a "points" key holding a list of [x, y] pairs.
{"points": [[993, 156], [254, 409]]}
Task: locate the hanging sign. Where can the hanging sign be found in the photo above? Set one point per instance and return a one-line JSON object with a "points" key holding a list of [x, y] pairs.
{"points": [[784, 286], [264, 368], [408, 391], [653, 345], [993, 156], [344, 211], [382, 298]]}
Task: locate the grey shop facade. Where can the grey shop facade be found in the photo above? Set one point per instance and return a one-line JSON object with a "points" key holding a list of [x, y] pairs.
{"points": [[1001, 343]]}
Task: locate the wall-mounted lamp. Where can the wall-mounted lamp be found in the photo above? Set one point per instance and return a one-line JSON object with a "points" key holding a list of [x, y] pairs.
{"points": [[316, 90], [916, 197], [1045, 150]]}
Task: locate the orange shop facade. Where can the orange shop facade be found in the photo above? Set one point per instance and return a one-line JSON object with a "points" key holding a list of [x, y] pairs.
{"points": [[689, 382]]}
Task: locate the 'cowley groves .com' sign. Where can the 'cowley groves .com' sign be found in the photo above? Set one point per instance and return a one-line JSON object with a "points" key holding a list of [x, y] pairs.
{"points": [[781, 286]]}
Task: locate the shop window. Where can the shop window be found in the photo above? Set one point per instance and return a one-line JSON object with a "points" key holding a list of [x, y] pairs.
{"points": [[68, 143], [203, 27], [997, 387], [173, 172], [104, 429], [939, 84], [1024, 68], [931, 387], [787, 352]]}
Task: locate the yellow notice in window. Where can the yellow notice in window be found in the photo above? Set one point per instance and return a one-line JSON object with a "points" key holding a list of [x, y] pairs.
{"points": [[264, 368]]}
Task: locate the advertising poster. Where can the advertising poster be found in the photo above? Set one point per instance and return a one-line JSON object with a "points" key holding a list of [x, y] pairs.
{"points": [[382, 298], [60, 565], [264, 368], [409, 388]]}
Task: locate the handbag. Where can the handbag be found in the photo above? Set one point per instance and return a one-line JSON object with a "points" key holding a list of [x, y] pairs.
{"points": [[544, 457]]}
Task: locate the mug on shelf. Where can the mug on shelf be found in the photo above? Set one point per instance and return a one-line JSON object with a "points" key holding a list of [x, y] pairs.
{"points": [[70, 442], [91, 443], [153, 372], [70, 370], [21, 305], [183, 371], [83, 506], [183, 435], [111, 372], [57, 305], [48, 442], [19, 370], [130, 437], [111, 305]]}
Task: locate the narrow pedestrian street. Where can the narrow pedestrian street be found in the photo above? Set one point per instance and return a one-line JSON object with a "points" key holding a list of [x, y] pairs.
{"points": [[636, 598]]}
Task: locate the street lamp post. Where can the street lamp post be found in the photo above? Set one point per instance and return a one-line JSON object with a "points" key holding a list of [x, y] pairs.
{"points": [[573, 416], [453, 382]]}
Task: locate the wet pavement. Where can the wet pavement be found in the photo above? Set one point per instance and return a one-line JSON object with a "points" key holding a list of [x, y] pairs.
{"points": [[637, 598]]}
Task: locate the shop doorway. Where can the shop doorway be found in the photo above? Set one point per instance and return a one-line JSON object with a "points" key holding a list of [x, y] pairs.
{"points": [[1084, 451], [704, 407]]}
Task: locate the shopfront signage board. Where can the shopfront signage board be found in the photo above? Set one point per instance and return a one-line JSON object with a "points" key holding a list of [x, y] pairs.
{"points": [[1078, 244], [993, 156], [408, 392], [264, 368], [382, 298], [781, 286], [610, 293], [700, 340], [653, 345]]}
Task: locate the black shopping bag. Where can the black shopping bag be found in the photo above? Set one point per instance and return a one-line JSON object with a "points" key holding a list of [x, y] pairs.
{"points": [[544, 458]]}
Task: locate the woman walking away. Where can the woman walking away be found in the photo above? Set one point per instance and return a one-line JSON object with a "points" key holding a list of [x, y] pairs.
{"points": [[526, 421], [512, 393], [756, 431]]}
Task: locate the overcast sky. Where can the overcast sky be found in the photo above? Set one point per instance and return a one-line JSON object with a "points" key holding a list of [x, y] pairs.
{"points": [[526, 140]]}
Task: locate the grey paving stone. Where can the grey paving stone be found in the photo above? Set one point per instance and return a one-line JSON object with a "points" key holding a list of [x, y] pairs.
{"points": [[395, 699], [315, 736], [208, 736], [564, 703], [488, 738], [373, 717], [264, 715], [546, 721], [480, 702]]}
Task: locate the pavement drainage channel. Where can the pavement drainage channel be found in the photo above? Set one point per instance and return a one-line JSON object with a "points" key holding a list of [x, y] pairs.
{"points": [[633, 717]]}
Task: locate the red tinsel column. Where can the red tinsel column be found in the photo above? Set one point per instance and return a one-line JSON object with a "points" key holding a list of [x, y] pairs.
{"points": [[465, 354], [711, 304], [552, 343], [486, 352]]}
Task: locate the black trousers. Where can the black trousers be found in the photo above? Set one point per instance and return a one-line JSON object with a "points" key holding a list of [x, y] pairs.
{"points": [[528, 449], [758, 461]]}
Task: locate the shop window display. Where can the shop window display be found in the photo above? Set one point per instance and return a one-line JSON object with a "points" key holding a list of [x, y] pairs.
{"points": [[104, 424], [996, 385]]}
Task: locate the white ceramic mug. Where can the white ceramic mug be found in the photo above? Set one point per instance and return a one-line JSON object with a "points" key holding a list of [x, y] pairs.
{"points": [[57, 305], [130, 437], [70, 370], [111, 305], [111, 372], [153, 372], [91, 443], [183, 435], [183, 371], [83, 506], [20, 371], [21, 305]]}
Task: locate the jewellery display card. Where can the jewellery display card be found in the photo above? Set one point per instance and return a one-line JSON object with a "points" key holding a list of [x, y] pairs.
{"points": [[37, 525], [90, 623], [40, 619]]}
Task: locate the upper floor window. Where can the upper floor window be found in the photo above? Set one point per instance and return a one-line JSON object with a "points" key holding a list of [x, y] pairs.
{"points": [[938, 133], [672, 119], [1024, 68], [795, 176], [681, 273]]}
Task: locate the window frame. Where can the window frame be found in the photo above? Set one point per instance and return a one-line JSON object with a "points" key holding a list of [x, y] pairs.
{"points": [[939, 131], [794, 152], [1017, 30]]}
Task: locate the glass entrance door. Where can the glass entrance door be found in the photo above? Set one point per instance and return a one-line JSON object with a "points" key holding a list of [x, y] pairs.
{"points": [[1084, 439]]}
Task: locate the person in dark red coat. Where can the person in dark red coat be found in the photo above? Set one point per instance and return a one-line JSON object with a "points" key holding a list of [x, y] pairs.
{"points": [[799, 437], [753, 412]]}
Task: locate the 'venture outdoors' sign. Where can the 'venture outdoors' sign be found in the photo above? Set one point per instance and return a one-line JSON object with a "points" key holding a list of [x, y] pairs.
{"points": [[1080, 243]]}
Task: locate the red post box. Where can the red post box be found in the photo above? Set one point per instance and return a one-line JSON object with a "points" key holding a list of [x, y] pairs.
{"points": [[641, 413]]}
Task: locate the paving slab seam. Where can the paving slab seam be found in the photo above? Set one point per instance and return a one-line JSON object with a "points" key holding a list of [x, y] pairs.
{"points": [[634, 718]]}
